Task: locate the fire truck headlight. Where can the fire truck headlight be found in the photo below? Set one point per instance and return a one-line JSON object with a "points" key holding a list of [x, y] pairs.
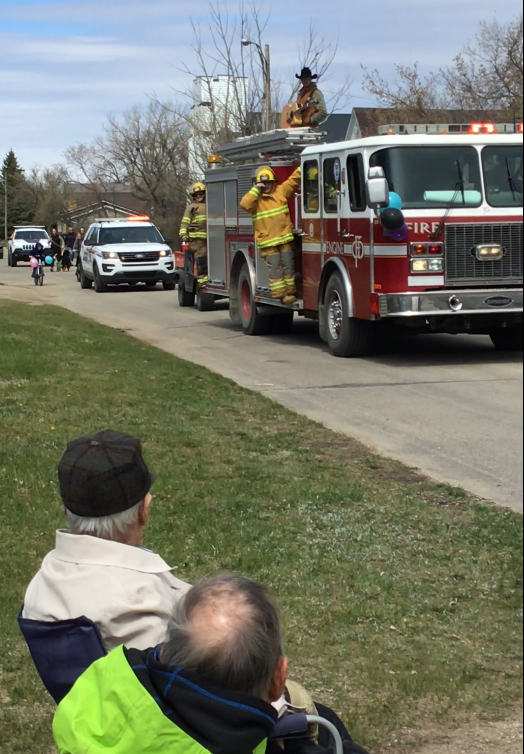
{"points": [[490, 252], [419, 265], [436, 265]]}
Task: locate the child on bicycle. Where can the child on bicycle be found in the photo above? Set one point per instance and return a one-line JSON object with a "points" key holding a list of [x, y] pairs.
{"points": [[38, 253]]}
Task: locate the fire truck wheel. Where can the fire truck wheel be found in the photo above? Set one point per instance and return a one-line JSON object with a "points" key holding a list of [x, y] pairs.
{"points": [[346, 336], [185, 298], [282, 324], [205, 301], [508, 339], [252, 322]]}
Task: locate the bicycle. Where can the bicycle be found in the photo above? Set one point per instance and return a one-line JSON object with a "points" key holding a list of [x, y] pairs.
{"points": [[39, 274]]}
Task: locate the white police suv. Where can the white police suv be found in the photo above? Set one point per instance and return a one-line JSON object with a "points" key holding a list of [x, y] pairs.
{"points": [[125, 251], [22, 243]]}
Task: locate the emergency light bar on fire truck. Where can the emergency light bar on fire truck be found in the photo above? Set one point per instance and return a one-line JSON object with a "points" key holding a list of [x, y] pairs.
{"points": [[451, 128]]}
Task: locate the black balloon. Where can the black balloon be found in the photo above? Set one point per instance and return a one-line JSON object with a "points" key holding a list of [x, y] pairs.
{"points": [[392, 219]]}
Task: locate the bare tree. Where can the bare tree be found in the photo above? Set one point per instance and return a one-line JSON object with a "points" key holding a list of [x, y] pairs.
{"points": [[488, 73], [230, 78], [410, 96], [487, 77], [145, 149], [49, 190]]}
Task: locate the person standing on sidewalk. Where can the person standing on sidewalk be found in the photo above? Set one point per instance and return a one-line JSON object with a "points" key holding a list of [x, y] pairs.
{"points": [[268, 204], [69, 241], [56, 248]]}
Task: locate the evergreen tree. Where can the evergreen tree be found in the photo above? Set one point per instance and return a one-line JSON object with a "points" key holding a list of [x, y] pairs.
{"points": [[20, 204]]}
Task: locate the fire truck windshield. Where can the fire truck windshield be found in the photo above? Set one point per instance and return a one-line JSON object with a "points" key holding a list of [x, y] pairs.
{"points": [[503, 175], [428, 177]]}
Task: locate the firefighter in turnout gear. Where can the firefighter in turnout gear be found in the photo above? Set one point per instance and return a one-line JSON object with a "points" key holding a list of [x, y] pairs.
{"points": [[194, 230], [268, 204]]}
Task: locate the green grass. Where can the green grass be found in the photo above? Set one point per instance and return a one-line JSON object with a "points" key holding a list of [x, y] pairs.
{"points": [[402, 599]]}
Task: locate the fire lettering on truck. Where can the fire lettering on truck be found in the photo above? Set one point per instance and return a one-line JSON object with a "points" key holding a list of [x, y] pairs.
{"points": [[423, 229]]}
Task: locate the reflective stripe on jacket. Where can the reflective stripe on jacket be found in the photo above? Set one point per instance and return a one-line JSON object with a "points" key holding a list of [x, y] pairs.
{"points": [[194, 222], [270, 212], [110, 710]]}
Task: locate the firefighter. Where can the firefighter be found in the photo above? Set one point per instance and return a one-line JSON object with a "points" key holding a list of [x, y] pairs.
{"points": [[268, 204], [194, 230], [311, 108]]}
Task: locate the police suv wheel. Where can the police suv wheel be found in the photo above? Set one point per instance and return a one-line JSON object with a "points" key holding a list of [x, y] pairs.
{"points": [[85, 283], [346, 336], [100, 286]]}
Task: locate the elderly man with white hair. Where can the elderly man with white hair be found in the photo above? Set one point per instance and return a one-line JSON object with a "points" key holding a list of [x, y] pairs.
{"points": [[98, 568]]}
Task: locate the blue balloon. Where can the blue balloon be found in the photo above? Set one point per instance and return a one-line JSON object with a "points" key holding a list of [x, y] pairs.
{"points": [[49, 261], [395, 201]]}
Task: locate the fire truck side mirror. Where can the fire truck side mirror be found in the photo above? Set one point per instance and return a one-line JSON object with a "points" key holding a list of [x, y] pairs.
{"points": [[377, 189]]}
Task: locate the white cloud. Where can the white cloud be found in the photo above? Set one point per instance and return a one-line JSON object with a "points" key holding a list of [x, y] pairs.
{"points": [[57, 87]]}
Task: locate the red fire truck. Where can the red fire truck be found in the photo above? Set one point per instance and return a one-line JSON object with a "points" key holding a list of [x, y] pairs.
{"points": [[455, 266]]}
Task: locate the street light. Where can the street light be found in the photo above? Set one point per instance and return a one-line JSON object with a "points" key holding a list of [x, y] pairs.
{"points": [[265, 59]]}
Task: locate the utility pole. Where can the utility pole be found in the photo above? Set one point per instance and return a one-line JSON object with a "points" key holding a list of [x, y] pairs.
{"points": [[267, 58]]}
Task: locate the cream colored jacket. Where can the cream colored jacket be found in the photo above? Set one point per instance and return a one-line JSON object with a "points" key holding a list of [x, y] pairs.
{"points": [[128, 592]]}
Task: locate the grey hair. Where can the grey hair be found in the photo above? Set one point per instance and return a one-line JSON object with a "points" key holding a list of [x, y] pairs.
{"points": [[245, 657], [106, 527]]}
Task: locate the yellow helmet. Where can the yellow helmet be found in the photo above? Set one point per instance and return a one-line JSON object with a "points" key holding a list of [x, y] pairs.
{"points": [[197, 188], [266, 174], [312, 174]]}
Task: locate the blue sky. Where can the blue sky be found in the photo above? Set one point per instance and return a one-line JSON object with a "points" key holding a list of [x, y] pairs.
{"points": [[65, 64]]}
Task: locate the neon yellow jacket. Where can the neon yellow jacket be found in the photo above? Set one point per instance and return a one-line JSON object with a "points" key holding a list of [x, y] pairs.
{"points": [[194, 222], [271, 212], [114, 708]]}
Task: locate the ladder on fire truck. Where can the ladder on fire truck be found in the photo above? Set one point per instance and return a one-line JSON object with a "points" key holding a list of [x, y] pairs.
{"points": [[287, 144]]}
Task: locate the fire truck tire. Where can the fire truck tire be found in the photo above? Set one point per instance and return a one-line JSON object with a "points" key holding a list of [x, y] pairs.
{"points": [[253, 323], [185, 298], [205, 301], [508, 339], [282, 324], [346, 336]]}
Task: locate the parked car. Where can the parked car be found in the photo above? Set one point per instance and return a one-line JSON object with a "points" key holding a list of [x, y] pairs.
{"points": [[22, 243]]}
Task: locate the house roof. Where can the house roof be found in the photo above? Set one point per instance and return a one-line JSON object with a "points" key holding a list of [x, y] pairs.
{"points": [[101, 207], [336, 127]]}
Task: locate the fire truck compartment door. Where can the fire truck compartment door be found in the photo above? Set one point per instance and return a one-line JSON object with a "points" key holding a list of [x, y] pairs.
{"points": [[216, 232]]}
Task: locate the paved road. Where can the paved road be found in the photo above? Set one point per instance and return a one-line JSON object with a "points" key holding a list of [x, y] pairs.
{"points": [[451, 406]]}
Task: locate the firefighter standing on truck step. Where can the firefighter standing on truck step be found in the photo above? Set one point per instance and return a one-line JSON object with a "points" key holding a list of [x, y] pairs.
{"points": [[268, 204], [194, 230]]}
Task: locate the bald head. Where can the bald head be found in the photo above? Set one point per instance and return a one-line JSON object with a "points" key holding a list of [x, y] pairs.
{"points": [[228, 630]]}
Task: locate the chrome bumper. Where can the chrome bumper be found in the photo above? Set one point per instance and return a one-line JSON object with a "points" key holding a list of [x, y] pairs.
{"points": [[455, 302]]}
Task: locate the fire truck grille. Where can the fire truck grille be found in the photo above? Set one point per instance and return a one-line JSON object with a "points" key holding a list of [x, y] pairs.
{"points": [[462, 265]]}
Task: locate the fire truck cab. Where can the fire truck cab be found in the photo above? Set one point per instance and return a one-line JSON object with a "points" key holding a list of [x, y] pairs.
{"points": [[405, 229]]}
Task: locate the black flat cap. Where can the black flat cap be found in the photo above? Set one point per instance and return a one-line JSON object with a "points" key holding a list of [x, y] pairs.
{"points": [[103, 474]]}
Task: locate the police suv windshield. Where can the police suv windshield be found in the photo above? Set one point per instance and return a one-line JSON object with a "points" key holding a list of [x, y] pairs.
{"points": [[129, 234], [503, 175], [432, 177], [31, 235]]}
